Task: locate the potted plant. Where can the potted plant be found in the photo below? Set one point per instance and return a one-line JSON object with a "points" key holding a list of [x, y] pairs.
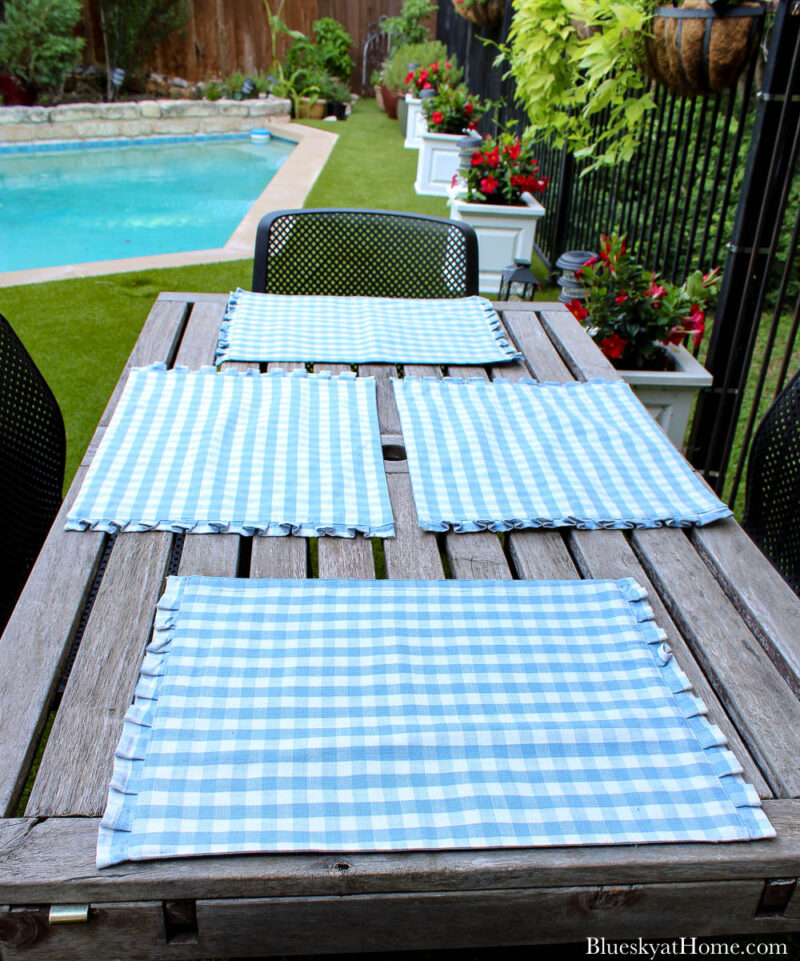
{"points": [[496, 194], [395, 70], [640, 322], [337, 95], [448, 114], [425, 78], [567, 71]]}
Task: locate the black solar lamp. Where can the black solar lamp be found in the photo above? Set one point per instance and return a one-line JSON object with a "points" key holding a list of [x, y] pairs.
{"points": [[517, 281]]}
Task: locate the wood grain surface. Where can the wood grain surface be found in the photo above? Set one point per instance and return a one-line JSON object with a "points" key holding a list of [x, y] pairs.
{"points": [[52, 861], [37, 639]]}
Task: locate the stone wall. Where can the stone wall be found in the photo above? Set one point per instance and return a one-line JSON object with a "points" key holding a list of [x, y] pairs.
{"points": [[84, 121]]}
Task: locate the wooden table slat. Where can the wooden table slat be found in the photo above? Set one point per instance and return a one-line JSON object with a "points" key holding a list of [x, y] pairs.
{"points": [[37, 639], [763, 707], [342, 556], [52, 860], [210, 555], [768, 605]]}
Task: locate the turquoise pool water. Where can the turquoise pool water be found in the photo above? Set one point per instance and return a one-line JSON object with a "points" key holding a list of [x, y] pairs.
{"points": [[70, 206]]}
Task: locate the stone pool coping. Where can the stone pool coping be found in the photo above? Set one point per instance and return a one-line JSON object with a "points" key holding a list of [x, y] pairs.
{"points": [[288, 188]]}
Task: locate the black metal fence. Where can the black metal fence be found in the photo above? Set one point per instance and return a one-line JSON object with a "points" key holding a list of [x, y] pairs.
{"points": [[711, 183]]}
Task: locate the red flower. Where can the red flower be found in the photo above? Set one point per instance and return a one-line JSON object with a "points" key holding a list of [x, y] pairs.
{"points": [[472, 125], [437, 116], [409, 76], [512, 150], [423, 74], [613, 346], [477, 158], [435, 66], [655, 291], [489, 185], [621, 298], [467, 108], [448, 64], [590, 262], [577, 308], [426, 86], [493, 157]]}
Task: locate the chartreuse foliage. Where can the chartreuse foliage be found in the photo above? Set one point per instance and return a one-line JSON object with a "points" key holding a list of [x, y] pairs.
{"points": [[572, 59], [37, 41]]}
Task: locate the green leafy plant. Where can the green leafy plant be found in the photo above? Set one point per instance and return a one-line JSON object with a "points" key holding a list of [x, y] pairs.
{"points": [[453, 110], [501, 170], [572, 59], [37, 45], [332, 44], [395, 69], [276, 27], [212, 90], [131, 30], [409, 26], [630, 313]]}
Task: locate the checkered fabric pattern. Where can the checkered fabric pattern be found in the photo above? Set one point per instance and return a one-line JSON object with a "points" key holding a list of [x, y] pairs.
{"points": [[239, 453], [400, 715], [358, 330], [503, 455]]}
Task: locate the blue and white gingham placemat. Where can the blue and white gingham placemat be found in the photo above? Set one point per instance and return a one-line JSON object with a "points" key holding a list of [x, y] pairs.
{"points": [[358, 330], [502, 455], [239, 453], [399, 715]]}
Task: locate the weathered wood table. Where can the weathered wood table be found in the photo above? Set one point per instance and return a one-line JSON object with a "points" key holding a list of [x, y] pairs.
{"points": [[732, 622]]}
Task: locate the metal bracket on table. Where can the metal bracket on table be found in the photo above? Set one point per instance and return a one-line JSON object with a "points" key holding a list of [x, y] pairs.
{"points": [[68, 913]]}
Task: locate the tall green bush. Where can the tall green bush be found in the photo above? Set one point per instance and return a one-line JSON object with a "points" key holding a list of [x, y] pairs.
{"points": [[409, 26], [133, 28], [37, 42]]}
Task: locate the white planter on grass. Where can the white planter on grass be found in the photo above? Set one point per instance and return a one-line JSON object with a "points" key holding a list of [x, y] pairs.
{"points": [[668, 394], [437, 163], [416, 125], [504, 233]]}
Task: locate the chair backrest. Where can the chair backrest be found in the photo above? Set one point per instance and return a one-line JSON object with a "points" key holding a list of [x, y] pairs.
{"points": [[367, 253], [32, 457], [772, 502]]}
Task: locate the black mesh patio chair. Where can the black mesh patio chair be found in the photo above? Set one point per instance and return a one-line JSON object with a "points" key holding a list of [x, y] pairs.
{"points": [[367, 253], [772, 501], [32, 456]]}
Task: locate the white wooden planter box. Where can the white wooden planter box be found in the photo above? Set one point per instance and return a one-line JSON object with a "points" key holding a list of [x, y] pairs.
{"points": [[437, 163], [668, 394], [416, 125], [504, 233]]}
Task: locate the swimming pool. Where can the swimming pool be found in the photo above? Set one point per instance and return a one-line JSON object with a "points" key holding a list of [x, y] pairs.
{"points": [[72, 204]]}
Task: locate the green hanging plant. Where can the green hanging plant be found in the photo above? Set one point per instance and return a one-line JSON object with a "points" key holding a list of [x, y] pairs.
{"points": [[572, 59]]}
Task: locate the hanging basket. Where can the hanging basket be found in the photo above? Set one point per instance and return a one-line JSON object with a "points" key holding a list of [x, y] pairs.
{"points": [[483, 13], [697, 51]]}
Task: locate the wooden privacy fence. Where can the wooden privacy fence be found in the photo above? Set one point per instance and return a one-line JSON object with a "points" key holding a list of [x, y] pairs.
{"points": [[223, 36]]}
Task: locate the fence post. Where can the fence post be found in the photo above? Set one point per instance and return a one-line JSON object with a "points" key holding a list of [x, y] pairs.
{"points": [[566, 176], [758, 218]]}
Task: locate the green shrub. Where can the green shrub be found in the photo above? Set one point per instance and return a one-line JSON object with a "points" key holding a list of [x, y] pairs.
{"points": [[37, 44], [396, 70], [211, 90], [132, 28], [409, 26], [332, 44]]}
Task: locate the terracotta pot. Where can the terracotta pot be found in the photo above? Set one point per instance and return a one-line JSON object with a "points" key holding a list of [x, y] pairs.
{"points": [[390, 98], [696, 51], [484, 13], [14, 92]]}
